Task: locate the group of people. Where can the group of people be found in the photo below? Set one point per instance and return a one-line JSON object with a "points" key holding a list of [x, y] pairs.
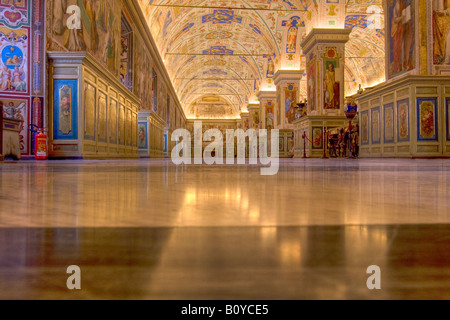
{"points": [[344, 143]]}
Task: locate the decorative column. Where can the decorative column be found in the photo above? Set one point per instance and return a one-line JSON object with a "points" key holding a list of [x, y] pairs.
{"points": [[254, 116], [325, 60], [288, 95], [245, 118], [325, 65], [267, 102]]}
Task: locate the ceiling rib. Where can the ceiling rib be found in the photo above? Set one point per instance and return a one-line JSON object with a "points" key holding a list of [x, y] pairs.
{"points": [[217, 54], [226, 8]]}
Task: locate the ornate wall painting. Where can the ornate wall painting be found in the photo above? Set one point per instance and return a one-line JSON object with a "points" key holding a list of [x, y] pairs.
{"points": [[142, 135], [15, 13], [389, 126], [403, 121], [332, 87], [290, 103], [112, 128], [401, 36], [292, 34], [290, 144], [128, 128], [447, 116], [365, 128], [270, 120], [102, 118], [375, 124], [441, 32], [65, 113], [270, 67], [18, 109], [166, 143], [121, 124], [281, 144], [427, 119], [14, 63], [90, 113], [126, 54], [154, 91], [134, 123], [280, 104], [99, 34], [256, 120], [311, 85], [317, 138]]}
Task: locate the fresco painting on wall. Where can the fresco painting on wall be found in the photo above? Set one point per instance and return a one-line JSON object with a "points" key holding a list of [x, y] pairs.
{"points": [[112, 129], [65, 109], [269, 115], [401, 30], [403, 121], [292, 34], [102, 107], [331, 75], [14, 60], [376, 136], [365, 127], [142, 135], [389, 123], [331, 85], [291, 94], [311, 80], [281, 144], [317, 138], [18, 109], [426, 111], [447, 110], [90, 94], [100, 29], [256, 120], [65, 122], [441, 31]]}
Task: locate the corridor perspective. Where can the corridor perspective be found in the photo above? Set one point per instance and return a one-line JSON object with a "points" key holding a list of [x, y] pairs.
{"points": [[147, 229], [103, 104]]}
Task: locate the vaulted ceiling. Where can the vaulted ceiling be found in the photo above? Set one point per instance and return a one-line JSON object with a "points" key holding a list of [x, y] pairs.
{"points": [[225, 51]]}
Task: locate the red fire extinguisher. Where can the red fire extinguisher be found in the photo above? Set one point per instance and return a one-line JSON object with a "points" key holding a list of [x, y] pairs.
{"points": [[40, 147]]}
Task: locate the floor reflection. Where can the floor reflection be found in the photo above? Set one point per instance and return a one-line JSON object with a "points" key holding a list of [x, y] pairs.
{"points": [[227, 263]]}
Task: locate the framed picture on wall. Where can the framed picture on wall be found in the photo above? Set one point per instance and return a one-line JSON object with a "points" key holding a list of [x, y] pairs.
{"points": [[403, 121], [375, 124], [400, 37], [142, 136], [389, 124], [365, 127], [317, 138], [447, 117], [427, 125], [281, 144], [65, 109]]}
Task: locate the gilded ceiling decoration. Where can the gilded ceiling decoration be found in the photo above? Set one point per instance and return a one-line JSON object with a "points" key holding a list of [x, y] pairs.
{"points": [[231, 49]]}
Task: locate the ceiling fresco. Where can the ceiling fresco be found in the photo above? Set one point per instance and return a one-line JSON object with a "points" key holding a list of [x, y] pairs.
{"points": [[231, 49]]}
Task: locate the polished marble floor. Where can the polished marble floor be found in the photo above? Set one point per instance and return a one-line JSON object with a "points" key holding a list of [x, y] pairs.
{"points": [[146, 229]]}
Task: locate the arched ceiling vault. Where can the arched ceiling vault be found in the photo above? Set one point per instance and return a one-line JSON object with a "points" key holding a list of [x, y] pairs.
{"points": [[230, 49]]}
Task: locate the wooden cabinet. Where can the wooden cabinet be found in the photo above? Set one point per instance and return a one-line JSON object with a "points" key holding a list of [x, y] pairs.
{"points": [[91, 114]]}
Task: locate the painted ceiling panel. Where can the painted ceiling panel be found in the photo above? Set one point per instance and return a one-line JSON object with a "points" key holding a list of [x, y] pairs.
{"points": [[228, 50]]}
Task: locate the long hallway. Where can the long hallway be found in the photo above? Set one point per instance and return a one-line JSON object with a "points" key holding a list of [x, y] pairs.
{"points": [[150, 230]]}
